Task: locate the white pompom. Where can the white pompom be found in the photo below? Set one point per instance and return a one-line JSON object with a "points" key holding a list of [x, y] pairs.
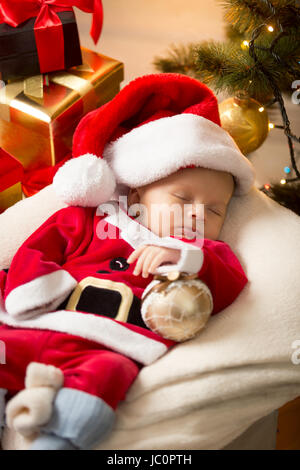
{"points": [[85, 181]]}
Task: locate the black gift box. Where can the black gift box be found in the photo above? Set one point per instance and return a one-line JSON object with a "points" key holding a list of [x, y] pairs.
{"points": [[18, 51]]}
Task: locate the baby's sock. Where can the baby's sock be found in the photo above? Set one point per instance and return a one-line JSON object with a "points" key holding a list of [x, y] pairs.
{"points": [[79, 421], [2, 409], [51, 442]]}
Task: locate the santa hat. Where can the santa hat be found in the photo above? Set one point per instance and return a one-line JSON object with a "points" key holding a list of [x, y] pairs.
{"points": [[154, 126]]}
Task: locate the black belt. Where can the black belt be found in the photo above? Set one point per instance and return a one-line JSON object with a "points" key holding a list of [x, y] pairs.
{"points": [[108, 298]]}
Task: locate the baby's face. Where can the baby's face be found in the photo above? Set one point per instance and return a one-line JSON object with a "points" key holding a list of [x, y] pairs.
{"points": [[196, 195]]}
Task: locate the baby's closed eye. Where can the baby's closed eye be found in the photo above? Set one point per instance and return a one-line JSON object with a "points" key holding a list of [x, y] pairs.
{"points": [[215, 211], [183, 197]]}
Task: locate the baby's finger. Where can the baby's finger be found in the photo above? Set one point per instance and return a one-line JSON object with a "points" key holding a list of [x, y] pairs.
{"points": [[147, 262], [135, 254], [156, 262], [139, 264]]}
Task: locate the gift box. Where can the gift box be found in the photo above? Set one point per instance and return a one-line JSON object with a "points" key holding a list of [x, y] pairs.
{"points": [[41, 36], [18, 49], [38, 117], [11, 173]]}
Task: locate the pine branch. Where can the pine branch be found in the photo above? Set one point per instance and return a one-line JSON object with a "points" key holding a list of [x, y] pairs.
{"points": [[285, 54], [233, 34], [217, 62], [246, 15], [179, 59], [288, 195], [226, 67]]}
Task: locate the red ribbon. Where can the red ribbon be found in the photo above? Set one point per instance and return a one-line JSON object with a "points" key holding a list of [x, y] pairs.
{"points": [[11, 170], [48, 28], [35, 180]]}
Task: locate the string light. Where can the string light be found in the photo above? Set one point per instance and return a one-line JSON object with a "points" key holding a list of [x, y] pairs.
{"points": [[245, 44], [282, 181], [261, 109], [287, 169], [267, 186], [275, 88]]}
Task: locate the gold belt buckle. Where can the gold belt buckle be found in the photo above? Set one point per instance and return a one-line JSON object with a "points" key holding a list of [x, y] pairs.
{"points": [[125, 292]]}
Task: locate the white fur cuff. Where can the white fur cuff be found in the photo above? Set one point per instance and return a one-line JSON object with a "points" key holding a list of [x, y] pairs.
{"points": [[190, 261], [42, 375], [40, 295], [191, 257]]}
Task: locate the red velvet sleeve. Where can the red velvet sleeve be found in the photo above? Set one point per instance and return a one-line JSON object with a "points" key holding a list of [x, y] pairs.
{"points": [[216, 264], [36, 281], [222, 273]]}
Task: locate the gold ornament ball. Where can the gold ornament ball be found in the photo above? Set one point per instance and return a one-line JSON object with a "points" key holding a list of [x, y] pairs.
{"points": [[179, 311], [246, 120]]}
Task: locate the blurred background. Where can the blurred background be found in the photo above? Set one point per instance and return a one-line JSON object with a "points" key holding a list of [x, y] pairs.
{"points": [[136, 31]]}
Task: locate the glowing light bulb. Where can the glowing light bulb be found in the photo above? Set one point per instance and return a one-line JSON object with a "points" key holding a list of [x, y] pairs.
{"points": [[261, 109], [282, 181], [271, 125], [245, 44], [287, 169], [270, 28], [267, 186]]}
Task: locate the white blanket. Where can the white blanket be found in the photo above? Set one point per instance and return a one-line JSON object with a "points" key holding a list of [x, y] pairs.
{"points": [[206, 392]]}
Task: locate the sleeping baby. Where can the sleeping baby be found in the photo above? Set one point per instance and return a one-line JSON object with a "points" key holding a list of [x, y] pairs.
{"points": [[147, 194]]}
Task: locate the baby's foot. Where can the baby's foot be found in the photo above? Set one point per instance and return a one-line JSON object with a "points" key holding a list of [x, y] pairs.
{"points": [[32, 407]]}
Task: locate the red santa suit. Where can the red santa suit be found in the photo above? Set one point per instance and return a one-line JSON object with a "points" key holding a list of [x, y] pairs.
{"points": [[70, 299], [78, 245]]}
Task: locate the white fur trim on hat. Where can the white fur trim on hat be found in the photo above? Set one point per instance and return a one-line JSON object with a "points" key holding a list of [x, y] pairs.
{"points": [[161, 147], [85, 181]]}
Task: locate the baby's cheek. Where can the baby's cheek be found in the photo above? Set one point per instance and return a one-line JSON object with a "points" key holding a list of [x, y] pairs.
{"points": [[212, 228]]}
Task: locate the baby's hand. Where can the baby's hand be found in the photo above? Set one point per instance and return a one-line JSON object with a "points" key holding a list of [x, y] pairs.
{"points": [[150, 257]]}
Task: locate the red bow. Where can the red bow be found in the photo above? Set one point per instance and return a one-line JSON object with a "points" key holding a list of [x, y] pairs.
{"points": [[48, 27], [35, 180]]}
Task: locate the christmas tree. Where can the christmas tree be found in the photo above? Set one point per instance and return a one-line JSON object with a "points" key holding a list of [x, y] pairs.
{"points": [[257, 63]]}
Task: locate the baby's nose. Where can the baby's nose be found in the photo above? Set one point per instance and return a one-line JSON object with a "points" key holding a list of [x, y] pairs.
{"points": [[196, 214], [196, 211]]}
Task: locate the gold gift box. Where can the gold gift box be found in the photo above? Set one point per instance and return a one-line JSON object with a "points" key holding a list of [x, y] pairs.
{"points": [[10, 196], [37, 120], [11, 173]]}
